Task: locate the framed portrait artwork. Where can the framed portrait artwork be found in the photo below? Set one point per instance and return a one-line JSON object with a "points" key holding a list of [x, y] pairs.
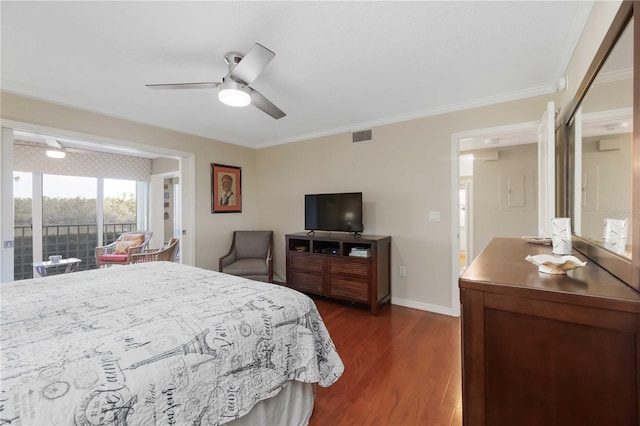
{"points": [[226, 189]]}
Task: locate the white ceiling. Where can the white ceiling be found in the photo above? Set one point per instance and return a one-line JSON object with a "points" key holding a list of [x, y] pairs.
{"points": [[339, 66]]}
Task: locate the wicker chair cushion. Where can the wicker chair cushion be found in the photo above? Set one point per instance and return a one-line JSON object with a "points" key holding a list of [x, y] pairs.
{"points": [[112, 258], [247, 267], [136, 238], [122, 247]]}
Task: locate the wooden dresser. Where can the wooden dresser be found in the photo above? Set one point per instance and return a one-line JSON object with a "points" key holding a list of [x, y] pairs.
{"points": [[541, 349], [324, 264]]}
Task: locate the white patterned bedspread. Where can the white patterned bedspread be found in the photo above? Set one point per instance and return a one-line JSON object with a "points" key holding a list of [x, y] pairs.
{"points": [[154, 344]]}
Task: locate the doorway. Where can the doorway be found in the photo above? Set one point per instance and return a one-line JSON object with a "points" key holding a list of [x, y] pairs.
{"points": [[165, 201], [481, 185], [466, 213], [184, 219]]}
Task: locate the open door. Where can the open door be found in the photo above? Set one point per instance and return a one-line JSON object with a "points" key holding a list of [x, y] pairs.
{"points": [[546, 171]]}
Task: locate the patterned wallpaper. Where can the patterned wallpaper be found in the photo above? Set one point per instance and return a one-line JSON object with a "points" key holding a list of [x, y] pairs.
{"points": [[31, 157]]}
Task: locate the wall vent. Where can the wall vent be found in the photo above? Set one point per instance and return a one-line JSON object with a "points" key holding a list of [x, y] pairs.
{"points": [[362, 136]]}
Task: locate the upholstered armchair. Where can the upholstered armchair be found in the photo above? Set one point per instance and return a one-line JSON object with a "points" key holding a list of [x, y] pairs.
{"points": [[120, 251], [250, 256], [166, 253]]}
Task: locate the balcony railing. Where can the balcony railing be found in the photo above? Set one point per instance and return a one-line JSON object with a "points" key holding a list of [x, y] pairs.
{"points": [[67, 240]]}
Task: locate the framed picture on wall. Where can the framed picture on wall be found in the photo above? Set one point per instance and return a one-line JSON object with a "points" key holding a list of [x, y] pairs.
{"points": [[226, 189]]}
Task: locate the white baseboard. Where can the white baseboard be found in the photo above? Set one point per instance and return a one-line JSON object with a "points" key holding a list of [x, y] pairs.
{"points": [[444, 310]]}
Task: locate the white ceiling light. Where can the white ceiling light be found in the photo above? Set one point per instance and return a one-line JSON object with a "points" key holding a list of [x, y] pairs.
{"points": [[56, 150], [233, 93], [55, 153]]}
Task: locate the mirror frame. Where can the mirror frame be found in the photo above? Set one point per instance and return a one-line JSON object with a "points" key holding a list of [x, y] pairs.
{"points": [[623, 268]]}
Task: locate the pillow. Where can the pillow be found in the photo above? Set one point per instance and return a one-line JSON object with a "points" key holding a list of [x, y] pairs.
{"points": [[122, 247], [137, 238]]}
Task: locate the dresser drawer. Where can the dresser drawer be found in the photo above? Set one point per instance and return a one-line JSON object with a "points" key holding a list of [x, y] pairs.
{"points": [[306, 262], [349, 265], [349, 288], [307, 283]]}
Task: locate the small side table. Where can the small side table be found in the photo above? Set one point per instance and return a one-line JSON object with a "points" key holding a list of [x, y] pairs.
{"points": [[71, 265]]}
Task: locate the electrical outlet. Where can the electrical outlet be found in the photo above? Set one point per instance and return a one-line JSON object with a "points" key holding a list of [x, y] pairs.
{"points": [[8, 244], [403, 271]]}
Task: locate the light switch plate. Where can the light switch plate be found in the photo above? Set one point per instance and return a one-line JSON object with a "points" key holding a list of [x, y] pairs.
{"points": [[434, 216]]}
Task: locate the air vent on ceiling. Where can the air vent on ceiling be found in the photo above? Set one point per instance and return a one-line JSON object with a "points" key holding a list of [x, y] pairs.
{"points": [[362, 136]]}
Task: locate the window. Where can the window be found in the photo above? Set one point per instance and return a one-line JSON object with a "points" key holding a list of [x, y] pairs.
{"points": [[119, 208]]}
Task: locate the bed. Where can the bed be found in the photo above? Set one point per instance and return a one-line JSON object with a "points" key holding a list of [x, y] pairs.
{"points": [[160, 343]]}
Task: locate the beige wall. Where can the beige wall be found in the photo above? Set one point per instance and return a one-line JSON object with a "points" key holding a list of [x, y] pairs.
{"points": [[212, 231], [404, 173], [164, 165], [504, 195]]}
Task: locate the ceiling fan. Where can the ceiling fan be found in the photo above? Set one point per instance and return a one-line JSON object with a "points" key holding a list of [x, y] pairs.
{"points": [[234, 89]]}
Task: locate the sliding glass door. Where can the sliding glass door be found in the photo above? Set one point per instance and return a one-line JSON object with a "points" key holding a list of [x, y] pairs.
{"points": [[70, 216]]}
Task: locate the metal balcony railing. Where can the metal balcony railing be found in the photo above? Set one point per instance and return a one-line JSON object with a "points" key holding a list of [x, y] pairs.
{"points": [[67, 240]]}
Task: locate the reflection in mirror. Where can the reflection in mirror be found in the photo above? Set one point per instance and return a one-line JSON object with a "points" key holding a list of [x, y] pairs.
{"points": [[602, 139]]}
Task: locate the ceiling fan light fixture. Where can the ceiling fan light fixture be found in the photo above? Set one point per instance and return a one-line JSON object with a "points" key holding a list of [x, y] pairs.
{"points": [[55, 153], [234, 94]]}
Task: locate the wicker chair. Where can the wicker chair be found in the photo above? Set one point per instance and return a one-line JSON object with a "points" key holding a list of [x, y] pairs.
{"points": [[167, 253], [120, 251], [249, 256]]}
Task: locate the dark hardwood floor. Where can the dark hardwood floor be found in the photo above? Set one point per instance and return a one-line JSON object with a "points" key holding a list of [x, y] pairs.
{"points": [[401, 368]]}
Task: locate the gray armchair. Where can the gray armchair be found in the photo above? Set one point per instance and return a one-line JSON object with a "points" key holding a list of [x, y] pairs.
{"points": [[249, 256]]}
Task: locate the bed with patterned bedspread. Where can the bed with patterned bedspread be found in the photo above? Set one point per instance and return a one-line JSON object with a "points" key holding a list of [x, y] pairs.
{"points": [[154, 343]]}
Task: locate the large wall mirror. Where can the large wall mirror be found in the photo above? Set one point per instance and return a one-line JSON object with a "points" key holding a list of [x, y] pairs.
{"points": [[600, 147]]}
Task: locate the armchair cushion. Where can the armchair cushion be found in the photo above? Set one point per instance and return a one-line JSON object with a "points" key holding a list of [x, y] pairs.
{"points": [[252, 244], [244, 267]]}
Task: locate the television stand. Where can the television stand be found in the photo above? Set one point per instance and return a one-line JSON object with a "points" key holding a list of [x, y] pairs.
{"points": [[341, 266]]}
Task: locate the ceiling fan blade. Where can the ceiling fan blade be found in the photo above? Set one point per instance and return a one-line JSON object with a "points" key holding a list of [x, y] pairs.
{"points": [[252, 64], [205, 85], [265, 105]]}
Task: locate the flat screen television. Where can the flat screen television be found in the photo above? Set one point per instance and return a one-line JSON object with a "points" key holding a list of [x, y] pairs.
{"points": [[333, 212]]}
